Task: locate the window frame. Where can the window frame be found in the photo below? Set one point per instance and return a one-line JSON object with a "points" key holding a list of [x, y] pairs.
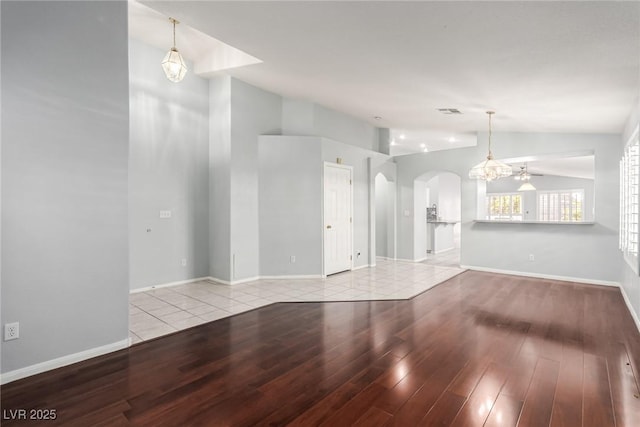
{"points": [[557, 205], [504, 217], [629, 200]]}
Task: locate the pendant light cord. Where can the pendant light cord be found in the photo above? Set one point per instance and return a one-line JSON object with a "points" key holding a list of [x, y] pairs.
{"points": [[490, 156], [174, 21]]}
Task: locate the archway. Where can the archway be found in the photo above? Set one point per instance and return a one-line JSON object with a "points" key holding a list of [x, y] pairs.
{"points": [[437, 229]]}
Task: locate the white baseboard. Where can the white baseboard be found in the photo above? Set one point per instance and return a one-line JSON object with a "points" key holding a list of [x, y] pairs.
{"points": [[298, 276], [166, 285], [410, 260], [441, 251], [627, 301], [232, 282], [543, 276], [27, 371], [360, 267]]}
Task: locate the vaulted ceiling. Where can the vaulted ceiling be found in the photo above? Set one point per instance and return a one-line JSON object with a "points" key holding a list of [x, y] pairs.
{"points": [[542, 66]]}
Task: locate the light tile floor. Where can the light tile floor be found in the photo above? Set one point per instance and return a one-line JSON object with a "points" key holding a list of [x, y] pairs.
{"points": [[165, 310], [449, 258]]}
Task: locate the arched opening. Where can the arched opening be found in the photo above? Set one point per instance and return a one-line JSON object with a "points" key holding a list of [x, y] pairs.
{"points": [[385, 214], [437, 202]]}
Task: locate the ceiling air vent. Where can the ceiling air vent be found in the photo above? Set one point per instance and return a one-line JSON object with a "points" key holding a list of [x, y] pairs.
{"points": [[449, 111]]}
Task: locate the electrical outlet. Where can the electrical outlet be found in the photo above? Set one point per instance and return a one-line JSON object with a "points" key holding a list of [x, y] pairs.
{"points": [[531, 257], [11, 331], [165, 214], [184, 262], [292, 259]]}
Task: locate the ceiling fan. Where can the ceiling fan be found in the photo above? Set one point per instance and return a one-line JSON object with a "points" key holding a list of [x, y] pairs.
{"points": [[524, 174]]}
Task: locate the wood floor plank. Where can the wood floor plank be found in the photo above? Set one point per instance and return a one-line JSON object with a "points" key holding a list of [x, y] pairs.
{"points": [[480, 402], [597, 408], [538, 402], [505, 412], [567, 405], [479, 348]]}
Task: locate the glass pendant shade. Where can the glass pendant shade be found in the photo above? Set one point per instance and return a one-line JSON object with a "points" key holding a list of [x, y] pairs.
{"points": [[173, 65], [527, 186], [490, 169]]}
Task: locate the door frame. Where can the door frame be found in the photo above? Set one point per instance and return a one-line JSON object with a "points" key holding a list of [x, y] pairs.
{"points": [[323, 225]]}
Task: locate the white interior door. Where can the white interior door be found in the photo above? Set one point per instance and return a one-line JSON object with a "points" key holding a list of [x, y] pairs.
{"points": [[337, 218]]}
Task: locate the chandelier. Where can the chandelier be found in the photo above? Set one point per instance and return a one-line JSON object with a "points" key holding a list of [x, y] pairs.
{"points": [[490, 169]]}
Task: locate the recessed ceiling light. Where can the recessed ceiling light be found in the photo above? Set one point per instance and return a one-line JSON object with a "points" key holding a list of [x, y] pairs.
{"points": [[426, 150], [402, 136], [393, 142], [452, 139], [423, 145]]}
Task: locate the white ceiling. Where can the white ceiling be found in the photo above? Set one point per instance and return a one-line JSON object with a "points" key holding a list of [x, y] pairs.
{"points": [[542, 66]]}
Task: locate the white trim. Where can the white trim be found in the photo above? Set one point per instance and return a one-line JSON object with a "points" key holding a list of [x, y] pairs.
{"points": [[409, 260], [441, 251], [27, 371], [360, 267], [627, 301], [232, 282], [543, 276], [293, 276], [166, 285], [388, 258]]}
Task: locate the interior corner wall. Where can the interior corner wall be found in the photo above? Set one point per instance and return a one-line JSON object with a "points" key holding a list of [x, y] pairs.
{"points": [[382, 202], [65, 133], [290, 206], [254, 112], [575, 251], [168, 170], [220, 178]]}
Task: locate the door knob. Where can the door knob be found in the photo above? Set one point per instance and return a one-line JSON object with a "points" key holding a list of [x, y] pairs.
{"points": [[328, 226]]}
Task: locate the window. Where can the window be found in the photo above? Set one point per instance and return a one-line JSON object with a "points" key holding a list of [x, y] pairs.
{"points": [[504, 206], [629, 170], [562, 206]]}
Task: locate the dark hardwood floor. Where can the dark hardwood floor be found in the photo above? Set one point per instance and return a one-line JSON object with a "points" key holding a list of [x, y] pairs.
{"points": [[479, 349]]}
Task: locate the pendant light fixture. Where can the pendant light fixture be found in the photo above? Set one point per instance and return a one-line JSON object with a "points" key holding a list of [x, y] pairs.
{"points": [[525, 177], [490, 169], [173, 65]]}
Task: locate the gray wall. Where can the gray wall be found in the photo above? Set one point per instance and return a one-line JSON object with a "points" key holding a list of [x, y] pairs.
{"points": [[579, 251], [239, 114], [281, 213], [65, 130], [220, 177], [382, 217], [254, 112], [305, 118], [290, 205], [168, 170]]}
